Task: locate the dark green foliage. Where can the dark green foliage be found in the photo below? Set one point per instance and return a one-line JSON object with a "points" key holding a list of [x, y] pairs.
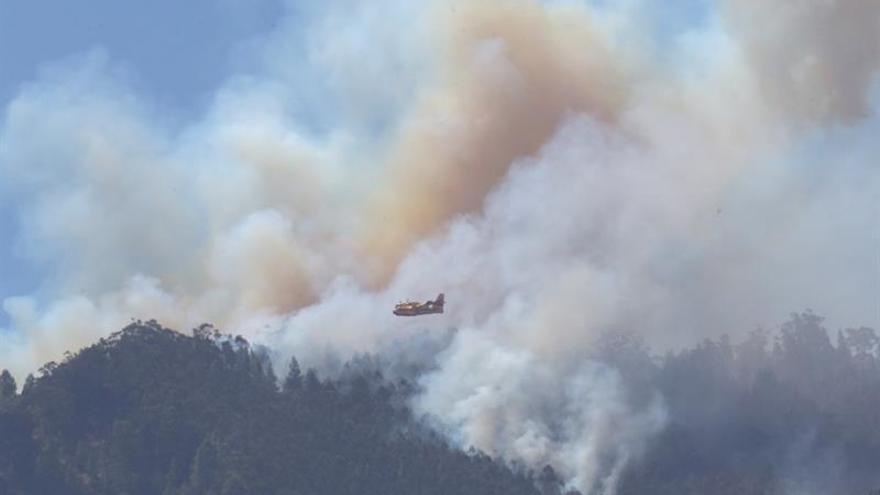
{"points": [[151, 411]]}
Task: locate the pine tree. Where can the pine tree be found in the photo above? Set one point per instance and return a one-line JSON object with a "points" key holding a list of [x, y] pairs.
{"points": [[293, 381], [7, 385]]}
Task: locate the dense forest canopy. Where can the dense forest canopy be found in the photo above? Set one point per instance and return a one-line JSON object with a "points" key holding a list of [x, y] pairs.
{"points": [[149, 410], [153, 411]]}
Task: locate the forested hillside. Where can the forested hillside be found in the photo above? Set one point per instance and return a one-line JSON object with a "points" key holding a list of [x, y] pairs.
{"points": [[782, 413], [152, 411]]}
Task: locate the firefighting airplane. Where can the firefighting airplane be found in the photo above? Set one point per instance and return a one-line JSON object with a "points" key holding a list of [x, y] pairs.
{"points": [[412, 308]]}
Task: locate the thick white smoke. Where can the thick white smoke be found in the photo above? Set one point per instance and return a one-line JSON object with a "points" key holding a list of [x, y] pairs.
{"points": [[527, 159]]}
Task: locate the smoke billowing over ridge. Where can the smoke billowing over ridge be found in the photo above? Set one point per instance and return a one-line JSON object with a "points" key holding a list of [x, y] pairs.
{"points": [[527, 160]]}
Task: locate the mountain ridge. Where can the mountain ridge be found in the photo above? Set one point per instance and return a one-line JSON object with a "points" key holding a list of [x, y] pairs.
{"points": [[151, 410]]}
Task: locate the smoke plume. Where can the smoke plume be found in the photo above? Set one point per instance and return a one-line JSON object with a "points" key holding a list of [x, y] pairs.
{"points": [[532, 160]]}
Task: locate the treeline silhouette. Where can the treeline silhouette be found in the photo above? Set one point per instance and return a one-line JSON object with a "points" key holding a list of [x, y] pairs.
{"points": [[787, 412], [152, 411]]}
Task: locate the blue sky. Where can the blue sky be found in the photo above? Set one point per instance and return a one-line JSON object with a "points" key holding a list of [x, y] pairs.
{"points": [[177, 51]]}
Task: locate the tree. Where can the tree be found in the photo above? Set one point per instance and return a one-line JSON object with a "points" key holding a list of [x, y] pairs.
{"points": [[205, 331], [48, 368], [311, 383], [29, 383], [293, 380], [861, 341], [8, 386]]}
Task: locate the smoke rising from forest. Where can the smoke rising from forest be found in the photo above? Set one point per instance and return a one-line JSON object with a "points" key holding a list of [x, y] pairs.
{"points": [[537, 162]]}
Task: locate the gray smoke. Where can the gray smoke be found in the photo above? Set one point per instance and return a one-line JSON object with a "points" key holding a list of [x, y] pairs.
{"points": [[528, 159]]}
